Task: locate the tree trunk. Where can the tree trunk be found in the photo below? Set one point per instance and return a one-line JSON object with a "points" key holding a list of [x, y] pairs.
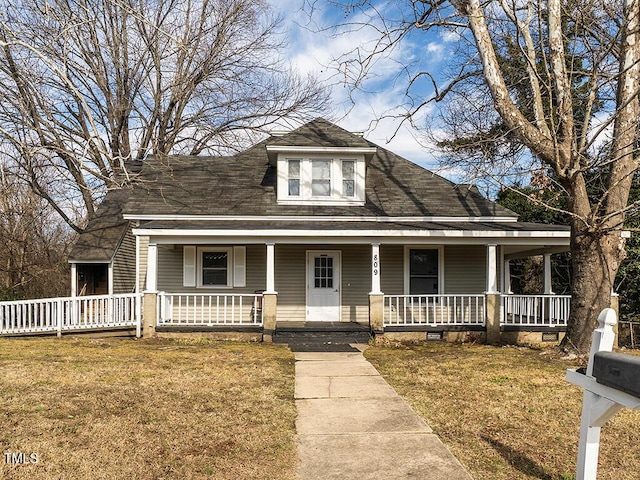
{"points": [[596, 257]]}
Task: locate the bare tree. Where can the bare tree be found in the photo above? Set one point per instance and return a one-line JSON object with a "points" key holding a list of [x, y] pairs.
{"points": [[33, 257], [87, 86], [547, 86]]}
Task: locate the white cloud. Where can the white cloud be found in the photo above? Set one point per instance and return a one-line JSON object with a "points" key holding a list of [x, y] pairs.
{"points": [[316, 48]]}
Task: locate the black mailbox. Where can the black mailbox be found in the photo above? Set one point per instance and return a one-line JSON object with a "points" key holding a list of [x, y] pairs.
{"points": [[618, 371]]}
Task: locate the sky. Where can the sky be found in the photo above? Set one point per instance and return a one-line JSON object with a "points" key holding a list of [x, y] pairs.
{"points": [[313, 48]]}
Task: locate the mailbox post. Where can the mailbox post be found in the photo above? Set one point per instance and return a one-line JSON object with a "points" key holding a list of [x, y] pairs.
{"points": [[604, 394]]}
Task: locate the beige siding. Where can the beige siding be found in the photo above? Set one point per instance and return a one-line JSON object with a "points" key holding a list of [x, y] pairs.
{"points": [[290, 272], [356, 282], [464, 269], [124, 265], [392, 269], [170, 271]]}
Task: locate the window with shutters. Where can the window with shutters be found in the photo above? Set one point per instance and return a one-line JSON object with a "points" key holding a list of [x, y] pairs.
{"points": [[214, 266]]}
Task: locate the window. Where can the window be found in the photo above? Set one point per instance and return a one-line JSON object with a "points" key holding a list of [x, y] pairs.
{"points": [[321, 178], [215, 267], [294, 178], [348, 178], [323, 274], [423, 271]]}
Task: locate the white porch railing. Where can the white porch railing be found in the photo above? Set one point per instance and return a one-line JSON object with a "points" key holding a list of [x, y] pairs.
{"points": [[70, 313], [536, 310], [204, 309], [434, 310]]}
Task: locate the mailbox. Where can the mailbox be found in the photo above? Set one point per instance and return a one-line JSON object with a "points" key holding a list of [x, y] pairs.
{"points": [[619, 371]]}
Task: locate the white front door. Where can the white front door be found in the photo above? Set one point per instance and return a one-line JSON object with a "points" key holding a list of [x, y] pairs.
{"points": [[323, 286]]}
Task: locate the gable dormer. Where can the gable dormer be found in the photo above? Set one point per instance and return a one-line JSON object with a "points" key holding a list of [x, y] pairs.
{"points": [[315, 176], [320, 164]]}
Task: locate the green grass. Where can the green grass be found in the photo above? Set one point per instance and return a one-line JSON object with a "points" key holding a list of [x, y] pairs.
{"points": [[505, 413], [115, 409]]}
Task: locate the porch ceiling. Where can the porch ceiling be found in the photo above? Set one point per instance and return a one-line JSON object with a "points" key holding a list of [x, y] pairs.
{"points": [[512, 252]]}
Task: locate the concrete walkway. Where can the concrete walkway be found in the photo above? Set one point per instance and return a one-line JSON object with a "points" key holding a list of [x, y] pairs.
{"points": [[352, 425]]}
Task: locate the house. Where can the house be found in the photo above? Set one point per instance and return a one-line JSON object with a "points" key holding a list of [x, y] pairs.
{"points": [[315, 225]]}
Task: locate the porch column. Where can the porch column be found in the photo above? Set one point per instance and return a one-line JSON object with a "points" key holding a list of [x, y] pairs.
{"points": [[547, 274], [271, 269], [138, 286], [152, 267], [375, 269], [492, 268], [376, 297], [74, 280], [492, 296], [269, 297], [507, 277], [150, 299], [110, 278]]}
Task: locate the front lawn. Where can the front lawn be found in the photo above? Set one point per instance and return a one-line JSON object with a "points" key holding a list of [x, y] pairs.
{"points": [[115, 409], [505, 413]]}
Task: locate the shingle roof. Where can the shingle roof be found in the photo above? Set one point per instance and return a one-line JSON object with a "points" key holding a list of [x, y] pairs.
{"points": [[245, 184], [320, 133], [101, 237]]}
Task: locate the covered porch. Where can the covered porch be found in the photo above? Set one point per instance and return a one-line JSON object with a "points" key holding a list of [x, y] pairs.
{"points": [[424, 284]]}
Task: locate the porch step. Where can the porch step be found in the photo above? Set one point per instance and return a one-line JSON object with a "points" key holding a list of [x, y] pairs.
{"points": [[322, 337]]}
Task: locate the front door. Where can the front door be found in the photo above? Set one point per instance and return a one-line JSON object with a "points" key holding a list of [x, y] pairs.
{"points": [[323, 286]]}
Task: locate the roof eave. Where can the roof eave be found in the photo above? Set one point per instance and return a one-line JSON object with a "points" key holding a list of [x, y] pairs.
{"points": [[274, 150]]}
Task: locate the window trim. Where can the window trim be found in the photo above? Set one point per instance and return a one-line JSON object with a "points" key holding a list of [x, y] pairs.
{"points": [[199, 266], [407, 266]]}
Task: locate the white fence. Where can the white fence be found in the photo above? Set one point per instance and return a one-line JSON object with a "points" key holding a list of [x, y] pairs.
{"points": [[70, 314], [434, 310], [203, 309], [536, 310]]}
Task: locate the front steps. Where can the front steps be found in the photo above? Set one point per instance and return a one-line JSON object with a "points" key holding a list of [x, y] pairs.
{"points": [[322, 336]]}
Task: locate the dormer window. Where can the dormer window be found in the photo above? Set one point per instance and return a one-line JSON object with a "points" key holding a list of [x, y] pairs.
{"points": [[321, 179], [293, 181], [348, 178]]}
